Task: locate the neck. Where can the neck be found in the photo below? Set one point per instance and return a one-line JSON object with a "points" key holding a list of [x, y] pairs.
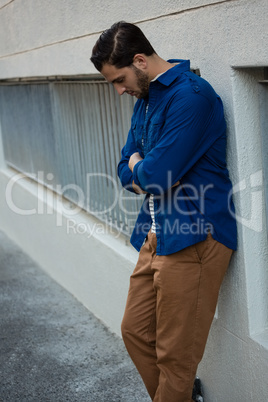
{"points": [[157, 65]]}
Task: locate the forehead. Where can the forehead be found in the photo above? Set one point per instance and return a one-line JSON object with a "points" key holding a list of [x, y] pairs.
{"points": [[112, 73]]}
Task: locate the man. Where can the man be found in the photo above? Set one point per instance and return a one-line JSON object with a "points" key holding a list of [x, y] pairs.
{"points": [[186, 231]]}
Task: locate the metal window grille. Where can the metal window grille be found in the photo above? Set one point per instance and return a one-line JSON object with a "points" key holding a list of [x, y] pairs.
{"points": [[73, 133]]}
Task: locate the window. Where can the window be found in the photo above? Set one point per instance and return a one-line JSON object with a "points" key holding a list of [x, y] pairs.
{"points": [[250, 96], [68, 134], [263, 102]]}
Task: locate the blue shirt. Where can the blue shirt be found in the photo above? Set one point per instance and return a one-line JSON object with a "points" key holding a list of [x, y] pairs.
{"points": [[182, 137]]}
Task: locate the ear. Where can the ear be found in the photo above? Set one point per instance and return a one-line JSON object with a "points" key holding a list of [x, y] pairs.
{"points": [[140, 61]]}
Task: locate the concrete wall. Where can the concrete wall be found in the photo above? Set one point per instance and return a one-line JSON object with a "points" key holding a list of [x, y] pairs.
{"points": [[227, 40]]}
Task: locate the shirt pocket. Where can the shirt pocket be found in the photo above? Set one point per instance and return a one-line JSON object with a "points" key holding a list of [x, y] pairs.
{"points": [[155, 131]]}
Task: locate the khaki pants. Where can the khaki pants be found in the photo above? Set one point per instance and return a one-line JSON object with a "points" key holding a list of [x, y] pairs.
{"points": [[169, 311]]}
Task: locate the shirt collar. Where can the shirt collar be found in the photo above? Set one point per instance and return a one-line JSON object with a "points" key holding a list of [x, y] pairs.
{"points": [[170, 75]]}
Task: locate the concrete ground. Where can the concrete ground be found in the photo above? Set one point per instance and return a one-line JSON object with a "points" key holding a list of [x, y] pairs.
{"points": [[51, 347]]}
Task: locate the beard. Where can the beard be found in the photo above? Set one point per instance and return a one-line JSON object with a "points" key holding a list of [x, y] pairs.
{"points": [[143, 82]]}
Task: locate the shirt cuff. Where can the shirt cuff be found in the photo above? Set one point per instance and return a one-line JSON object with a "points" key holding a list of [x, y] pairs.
{"points": [[135, 174]]}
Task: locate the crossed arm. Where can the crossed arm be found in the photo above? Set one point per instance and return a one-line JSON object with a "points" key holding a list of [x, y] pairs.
{"points": [[135, 158], [186, 138]]}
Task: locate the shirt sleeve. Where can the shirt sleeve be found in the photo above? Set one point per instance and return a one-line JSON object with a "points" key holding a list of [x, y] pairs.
{"points": [[123, 171], [191, 126]]}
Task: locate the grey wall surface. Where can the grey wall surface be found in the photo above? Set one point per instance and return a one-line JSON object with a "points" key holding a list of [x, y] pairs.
{"points": [[227, 41]]}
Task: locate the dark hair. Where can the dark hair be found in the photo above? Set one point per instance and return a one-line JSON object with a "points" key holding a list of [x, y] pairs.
{"points": [[119, 44]]}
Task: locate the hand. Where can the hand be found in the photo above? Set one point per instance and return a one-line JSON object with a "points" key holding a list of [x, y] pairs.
{"points": [[176, 184], [137, 189], [135, 158]]}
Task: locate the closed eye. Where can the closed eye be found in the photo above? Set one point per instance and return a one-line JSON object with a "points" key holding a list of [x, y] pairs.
{"points": [[118, 80]]}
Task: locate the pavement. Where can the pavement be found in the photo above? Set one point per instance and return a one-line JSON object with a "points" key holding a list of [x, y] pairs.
{"points": [[51, 347]]}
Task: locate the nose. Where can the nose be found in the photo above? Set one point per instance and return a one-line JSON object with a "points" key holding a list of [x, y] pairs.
{"points": [[120, 89]]}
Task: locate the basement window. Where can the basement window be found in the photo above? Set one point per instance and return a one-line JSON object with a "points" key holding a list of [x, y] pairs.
{"points": [[67, 133]]}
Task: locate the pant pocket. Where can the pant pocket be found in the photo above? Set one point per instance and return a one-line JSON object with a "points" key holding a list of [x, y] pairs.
{"points": [[201, 248]]}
